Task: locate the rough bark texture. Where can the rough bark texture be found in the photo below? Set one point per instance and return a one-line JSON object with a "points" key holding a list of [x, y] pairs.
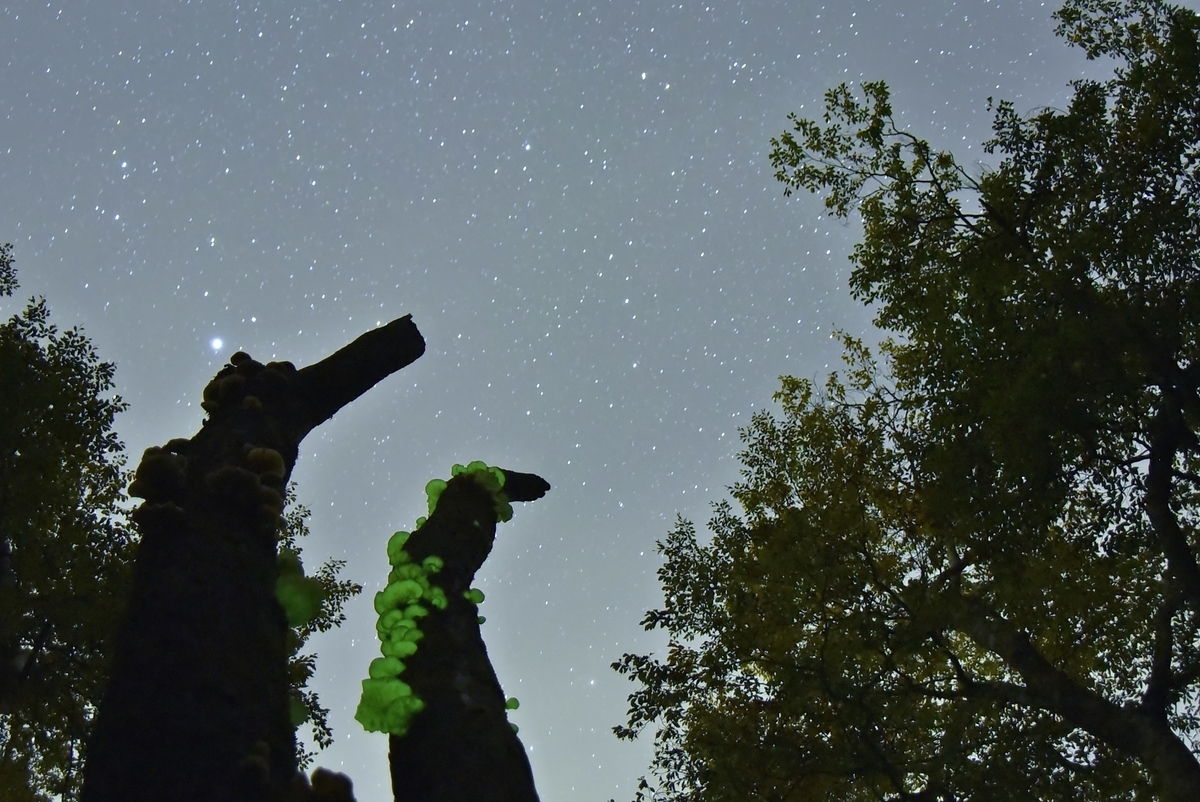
{"points": [[197, 706], [461, 746]]}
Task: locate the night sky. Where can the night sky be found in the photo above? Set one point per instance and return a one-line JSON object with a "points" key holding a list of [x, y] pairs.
{"points": [[572, 199]]}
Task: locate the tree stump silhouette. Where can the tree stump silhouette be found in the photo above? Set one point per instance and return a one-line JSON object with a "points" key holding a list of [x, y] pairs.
{"points": [[460, 746], [197, 707]]}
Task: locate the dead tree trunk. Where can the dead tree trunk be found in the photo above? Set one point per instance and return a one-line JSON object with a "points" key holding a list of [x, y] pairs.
{"points": [[460, 746], [197, 706]]}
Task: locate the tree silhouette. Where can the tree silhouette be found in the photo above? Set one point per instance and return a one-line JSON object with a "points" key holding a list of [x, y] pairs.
{"points": [[974, 574], [65, 547], [197, 707], [434, 690]]}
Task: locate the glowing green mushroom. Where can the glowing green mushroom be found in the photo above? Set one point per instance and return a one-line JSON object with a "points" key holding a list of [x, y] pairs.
{"points": [[392, 619], [395, 548], [387, 703], [415, 611], [385, 667], [408, 571], [398, 648], [437, 597], [434, 491], [397, 594]]}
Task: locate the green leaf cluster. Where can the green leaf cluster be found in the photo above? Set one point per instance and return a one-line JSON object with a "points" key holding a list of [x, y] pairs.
{"points": [[325, 594], [970, 574]]}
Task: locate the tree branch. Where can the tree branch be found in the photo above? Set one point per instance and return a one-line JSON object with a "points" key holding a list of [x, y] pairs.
{"points": [[346, 374], [1161, 681], [1168, 433], [1129, 729]]}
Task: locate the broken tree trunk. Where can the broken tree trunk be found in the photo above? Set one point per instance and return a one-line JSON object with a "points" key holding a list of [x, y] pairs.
{"points": [[461, 745], [197, 707]]}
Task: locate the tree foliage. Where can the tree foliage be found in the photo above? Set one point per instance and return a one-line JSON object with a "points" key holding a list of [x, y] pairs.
{"points": [[972, 573], [302, 666], [65, 548]]}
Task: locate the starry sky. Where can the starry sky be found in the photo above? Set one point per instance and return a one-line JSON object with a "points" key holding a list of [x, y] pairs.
{"points": [[572, 199]]}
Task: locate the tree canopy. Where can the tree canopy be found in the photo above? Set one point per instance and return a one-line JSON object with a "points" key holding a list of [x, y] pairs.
{"points": [[65, 548], [971, 572]]}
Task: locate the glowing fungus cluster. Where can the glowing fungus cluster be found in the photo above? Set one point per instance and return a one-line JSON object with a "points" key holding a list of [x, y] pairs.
{"points": [[388, 703]]}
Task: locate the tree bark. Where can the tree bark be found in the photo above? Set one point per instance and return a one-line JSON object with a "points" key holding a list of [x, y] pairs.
{"points": [[197, 707], [1169, 433], [1131, 729], [461, 746]]}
